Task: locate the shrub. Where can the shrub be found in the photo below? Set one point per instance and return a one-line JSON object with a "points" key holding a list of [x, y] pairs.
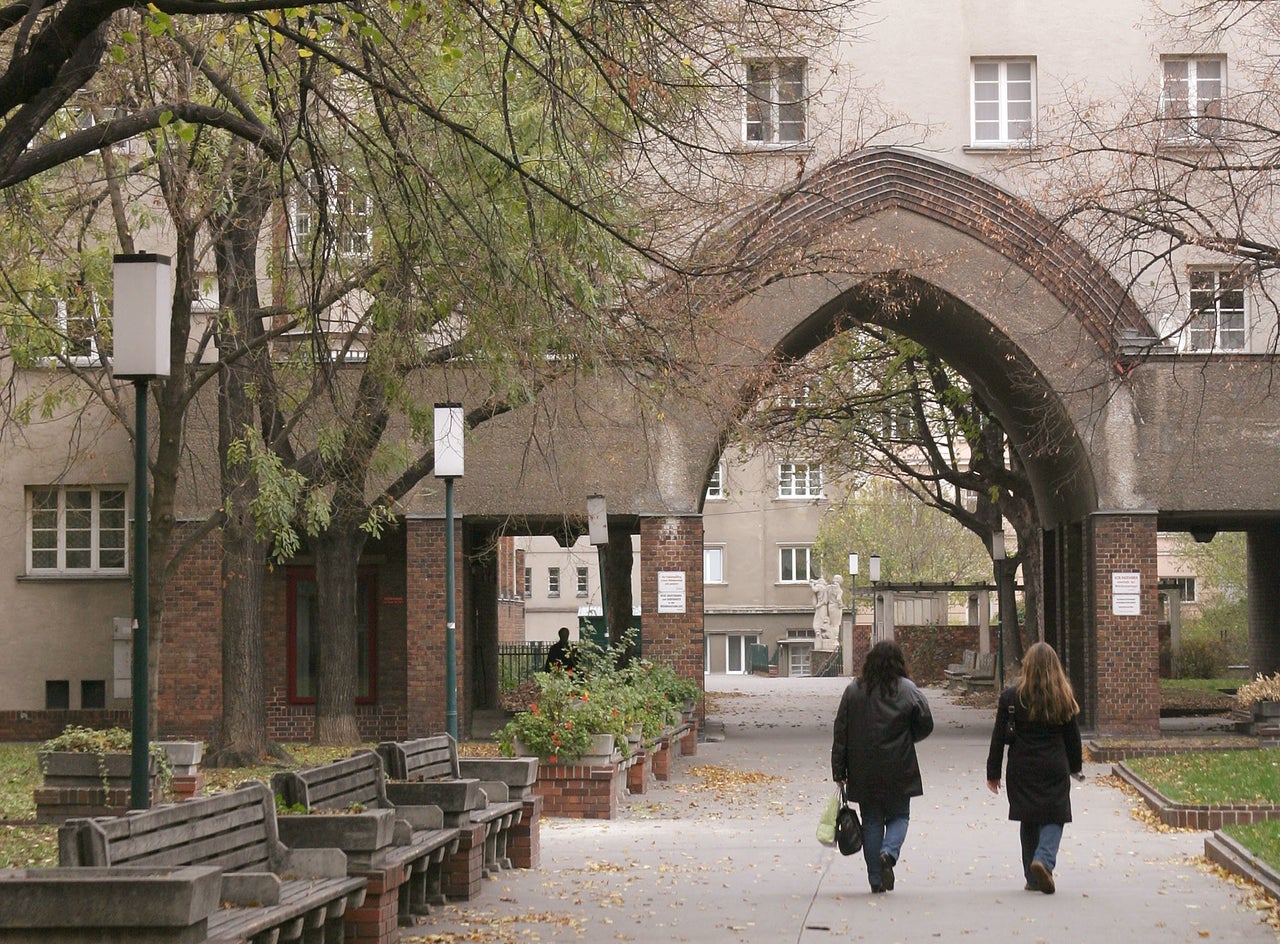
{"points": [[1262, 688], [1199, 658]]}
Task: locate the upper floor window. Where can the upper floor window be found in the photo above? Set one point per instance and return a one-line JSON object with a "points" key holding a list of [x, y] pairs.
{"points": [[582, 581], [1186, 587], [796, 565], [335, 203], [799, 480], [553, 581], [1003, 102], [1217, 311], [1191, 96], [715, 487], [76, 530], [713, 565], [774, 109], [528, 582]]}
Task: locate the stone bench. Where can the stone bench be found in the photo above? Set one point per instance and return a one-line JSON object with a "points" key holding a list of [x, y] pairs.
{"points": [[268, 891], [426, 770], [956, 671], [416, 840], [983, 674]]}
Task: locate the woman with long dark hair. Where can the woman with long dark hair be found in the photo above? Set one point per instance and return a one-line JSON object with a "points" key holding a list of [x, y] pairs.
{"points": [[1037, 720], [873, 755]]}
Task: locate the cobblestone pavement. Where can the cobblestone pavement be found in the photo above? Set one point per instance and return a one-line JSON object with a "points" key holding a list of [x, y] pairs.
{"points": [[725, 852]]}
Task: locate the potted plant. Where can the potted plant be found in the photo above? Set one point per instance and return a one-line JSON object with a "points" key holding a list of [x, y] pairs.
{"points": [[1262, 696], [81, 756], [551, 728]]}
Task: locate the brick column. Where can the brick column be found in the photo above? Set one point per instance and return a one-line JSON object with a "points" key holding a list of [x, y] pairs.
{"points": [[424, 624], [189, 697], [1128, 649], [1264, 599], [672, 545]]}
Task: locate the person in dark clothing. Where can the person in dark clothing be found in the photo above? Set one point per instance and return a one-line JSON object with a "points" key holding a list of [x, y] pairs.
{"points": [[1038, 721], [561, 654], [873, 755]]}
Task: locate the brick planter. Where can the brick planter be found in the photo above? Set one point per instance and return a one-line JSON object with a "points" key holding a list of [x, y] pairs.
{"points": [[578, 791], [85, 785], [1196, 815]]}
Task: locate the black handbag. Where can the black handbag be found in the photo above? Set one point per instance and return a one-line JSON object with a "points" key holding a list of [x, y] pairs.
{"points": [[848, 830], [1010, 730]]}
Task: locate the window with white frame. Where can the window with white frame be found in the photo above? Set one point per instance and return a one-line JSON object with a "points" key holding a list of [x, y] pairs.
{"points": [[1216, 321], [72, 529], [1186, 587], [582, 581], [348, 214], [1191, 95], [796, 564], [799, 480], [774, 108], [1003, 102], [528, 582], [67, 327], [713, 565], [553, 581], [715, 487]]}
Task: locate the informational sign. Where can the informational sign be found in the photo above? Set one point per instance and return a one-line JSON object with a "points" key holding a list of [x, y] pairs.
{"points": [[671, 591], [1126, 594]]}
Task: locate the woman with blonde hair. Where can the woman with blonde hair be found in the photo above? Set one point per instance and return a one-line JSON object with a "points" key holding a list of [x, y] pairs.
{"points": [[1038, 720]]}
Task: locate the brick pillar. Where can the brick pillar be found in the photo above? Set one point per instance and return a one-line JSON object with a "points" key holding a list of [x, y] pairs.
{"points": [[376, 921], [524, 846], [189, 696], [1127, 646], [672, 545], [464, 870], [1264, 599], [425, 624]]}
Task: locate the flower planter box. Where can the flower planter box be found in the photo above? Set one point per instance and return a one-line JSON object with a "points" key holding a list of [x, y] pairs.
{"points": [[359, 834], [82, 904], [1265, 710], [79, 784], [70, 769]]}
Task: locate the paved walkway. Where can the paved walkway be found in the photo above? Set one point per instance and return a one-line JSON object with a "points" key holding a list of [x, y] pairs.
{"points": [[740, 862]]}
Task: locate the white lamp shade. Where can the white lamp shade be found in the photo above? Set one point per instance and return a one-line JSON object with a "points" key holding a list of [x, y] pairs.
{"points": [[853, 564], [873, 568], [997, 545], [597, 520], [141, 312], [450, 426]]}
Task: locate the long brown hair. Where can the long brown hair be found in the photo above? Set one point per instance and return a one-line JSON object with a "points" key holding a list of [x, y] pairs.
{"points": [[1044, 689], [882, 668]]}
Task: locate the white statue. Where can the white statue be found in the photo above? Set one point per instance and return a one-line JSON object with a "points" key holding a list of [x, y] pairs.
{"points": [[828, 605], [821, 622]]}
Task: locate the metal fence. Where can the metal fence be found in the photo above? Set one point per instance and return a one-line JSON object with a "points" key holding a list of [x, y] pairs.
{"points": [[518, 661]]}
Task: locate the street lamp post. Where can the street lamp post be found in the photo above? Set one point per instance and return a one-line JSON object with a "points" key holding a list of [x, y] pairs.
{"points": [[873, 572], [449, 428], [853, 596], [998, 559], [598, 535], [141, 313]]}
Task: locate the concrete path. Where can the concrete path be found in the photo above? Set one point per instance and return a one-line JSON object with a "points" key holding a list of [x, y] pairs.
{"points": [[739, 862]]}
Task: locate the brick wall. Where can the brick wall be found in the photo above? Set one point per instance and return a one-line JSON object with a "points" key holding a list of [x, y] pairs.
{"points": [[927, 649], [425, 623], [1128, 667], [20, 725], [189, 694]]}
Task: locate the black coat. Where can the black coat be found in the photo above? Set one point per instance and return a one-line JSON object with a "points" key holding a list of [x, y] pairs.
{"points": [[1042, 759], [873, 747]]}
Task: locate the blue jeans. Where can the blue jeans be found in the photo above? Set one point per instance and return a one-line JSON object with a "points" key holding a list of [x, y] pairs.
{"points": [[1039, 844], [884, 828]]}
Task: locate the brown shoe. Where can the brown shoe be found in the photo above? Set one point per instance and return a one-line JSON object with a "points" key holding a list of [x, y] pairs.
{"points": [[1043, 877]]}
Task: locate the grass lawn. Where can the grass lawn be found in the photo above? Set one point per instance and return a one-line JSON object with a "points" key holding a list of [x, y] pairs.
{"points": [[1214, 685], [1219, 777], [1262, 839]]}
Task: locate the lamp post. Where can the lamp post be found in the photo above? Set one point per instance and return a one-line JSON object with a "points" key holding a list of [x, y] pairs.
{"points": [[853, 596], [873, 572], [998, 559], [141, 312], [598, 535], [449, 427]]}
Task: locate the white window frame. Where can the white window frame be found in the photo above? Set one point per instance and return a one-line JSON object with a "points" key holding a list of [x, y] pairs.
{"points": [[1186, 587], [1233, 338], [553, 581], [1006, 138], [713, 564], [343, 204], [583, 579], [528, 583], [740, 643], [95, 548], [715, 487], [790, 557], [1196, 114], [773, 94], [799, 480]]}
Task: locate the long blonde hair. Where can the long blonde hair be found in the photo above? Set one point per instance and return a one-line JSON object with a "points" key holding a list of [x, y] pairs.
{"points": [[1044, 689]]}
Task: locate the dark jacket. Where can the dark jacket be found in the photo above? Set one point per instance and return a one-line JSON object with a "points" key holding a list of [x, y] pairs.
{"points": [[873, 747], [1042, 759]]}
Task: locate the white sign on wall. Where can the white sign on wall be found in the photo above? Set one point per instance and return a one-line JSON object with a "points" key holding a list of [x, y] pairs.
{"points": [[671, 591], [1126, 594]]}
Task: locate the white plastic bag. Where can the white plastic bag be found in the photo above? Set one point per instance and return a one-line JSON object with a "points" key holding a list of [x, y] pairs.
{"points": [[827, 823]]}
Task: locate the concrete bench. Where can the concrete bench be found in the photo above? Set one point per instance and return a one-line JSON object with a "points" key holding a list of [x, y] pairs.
{"points": [[269, 892], [420, 842], [426, 770], [956, 671], [983, 674]]}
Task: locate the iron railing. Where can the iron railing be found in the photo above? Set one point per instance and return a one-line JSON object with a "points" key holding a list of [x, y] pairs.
{"points": [[519, 661]]}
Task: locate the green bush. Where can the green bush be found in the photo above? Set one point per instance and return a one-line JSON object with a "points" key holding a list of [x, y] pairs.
{"points": [[1200, 658]]}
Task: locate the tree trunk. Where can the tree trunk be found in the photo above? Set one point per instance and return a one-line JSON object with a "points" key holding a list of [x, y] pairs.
{"points": [[337, 555]]}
